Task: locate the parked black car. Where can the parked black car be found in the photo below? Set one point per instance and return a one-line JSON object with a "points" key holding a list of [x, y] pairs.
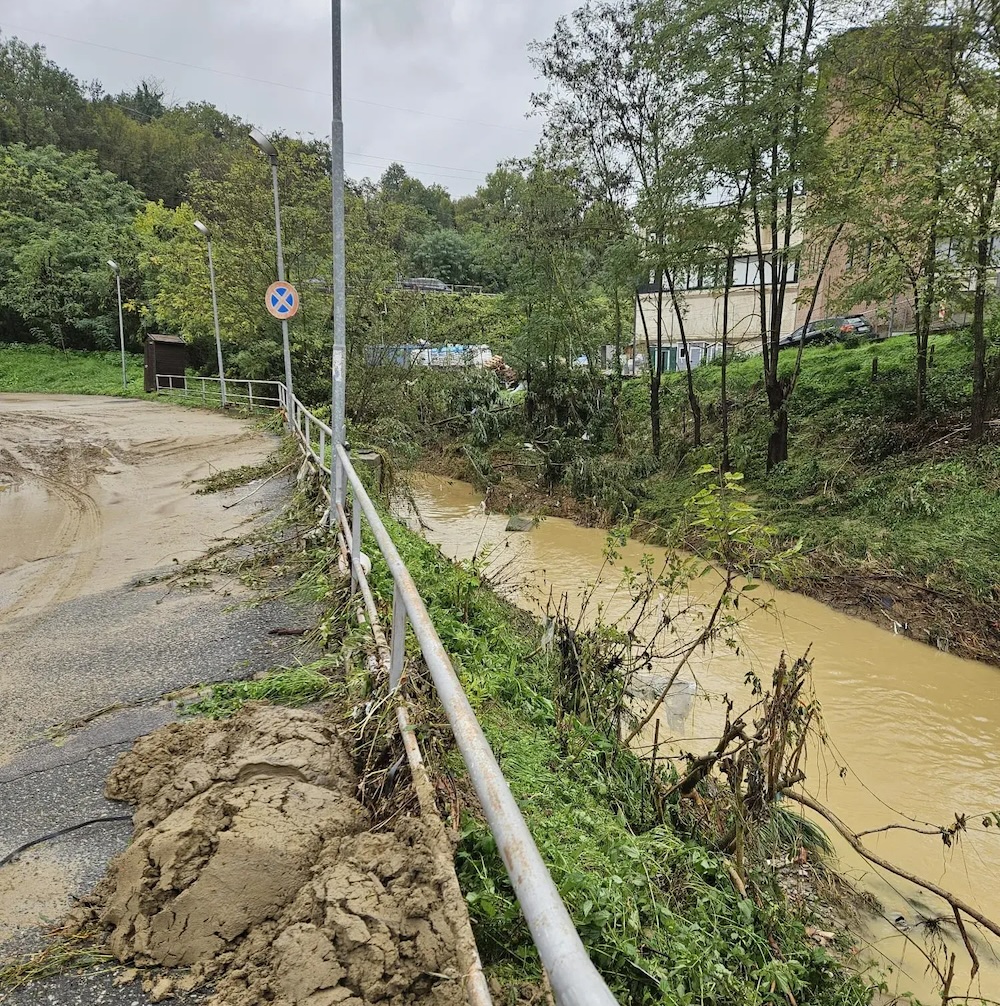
{"points": [[830, 329]]}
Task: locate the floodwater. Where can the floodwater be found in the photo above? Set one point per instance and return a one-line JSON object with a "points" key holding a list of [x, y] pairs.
{"points": [[913, 733]]}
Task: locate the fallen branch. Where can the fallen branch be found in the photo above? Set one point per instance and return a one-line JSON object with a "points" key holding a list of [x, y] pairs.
{"points": [[957, 904], [229, 506], [966, 941]]}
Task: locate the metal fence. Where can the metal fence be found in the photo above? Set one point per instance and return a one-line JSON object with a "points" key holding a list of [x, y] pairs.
{"points": [[574, 979], [214, 391]]}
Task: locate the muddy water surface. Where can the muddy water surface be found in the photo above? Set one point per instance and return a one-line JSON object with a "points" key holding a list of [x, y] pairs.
{"points": [[917, 730]]}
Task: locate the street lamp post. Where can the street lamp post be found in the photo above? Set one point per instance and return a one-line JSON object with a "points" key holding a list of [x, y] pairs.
{"points": [[202, 229], [121, 320], [339, 363], [271, 152]]}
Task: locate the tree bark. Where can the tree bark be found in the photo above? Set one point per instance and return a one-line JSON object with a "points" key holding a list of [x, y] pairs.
{"points": [[654, 382], [691, 393], [726, 463], [777, 442], [984, 242], [616, 373]]}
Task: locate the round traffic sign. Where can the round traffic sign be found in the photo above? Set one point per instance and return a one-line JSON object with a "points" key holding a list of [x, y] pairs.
{"points": [[281, 300]]}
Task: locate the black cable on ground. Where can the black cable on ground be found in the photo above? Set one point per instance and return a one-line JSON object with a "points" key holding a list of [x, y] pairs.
{"points": [[56, 834]]}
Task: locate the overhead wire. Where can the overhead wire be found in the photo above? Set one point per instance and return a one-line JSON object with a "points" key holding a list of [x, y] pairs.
{"points": [[270, 83]]}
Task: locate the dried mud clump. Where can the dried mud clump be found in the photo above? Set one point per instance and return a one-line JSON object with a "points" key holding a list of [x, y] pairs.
{"points": [[252, 866]]}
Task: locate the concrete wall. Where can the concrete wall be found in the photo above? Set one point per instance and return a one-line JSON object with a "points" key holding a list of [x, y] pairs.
{"points": [[703, 318]]}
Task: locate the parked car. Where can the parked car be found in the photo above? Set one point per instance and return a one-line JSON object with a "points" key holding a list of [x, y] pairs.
{"points": [[830, 329]]}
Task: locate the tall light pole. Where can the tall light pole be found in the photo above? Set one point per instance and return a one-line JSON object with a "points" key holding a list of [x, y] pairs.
{"points": [[339, 369], [202, 229], [268, 148], [121, 320]]}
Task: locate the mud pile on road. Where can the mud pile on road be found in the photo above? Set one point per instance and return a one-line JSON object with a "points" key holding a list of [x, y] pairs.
{"points": [[252, 866]]}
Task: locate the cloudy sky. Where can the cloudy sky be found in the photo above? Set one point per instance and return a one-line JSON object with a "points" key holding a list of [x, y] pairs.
{"points": [[441, 85]]}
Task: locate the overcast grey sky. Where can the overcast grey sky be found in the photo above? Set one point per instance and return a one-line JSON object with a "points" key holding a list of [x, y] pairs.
{"points": [[465, 61]]}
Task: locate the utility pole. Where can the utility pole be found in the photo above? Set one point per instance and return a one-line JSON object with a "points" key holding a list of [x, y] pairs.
{"points": [[339, 368]]}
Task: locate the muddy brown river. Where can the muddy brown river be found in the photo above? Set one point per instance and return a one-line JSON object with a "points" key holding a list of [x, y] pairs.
{"points": [[917, 730]]}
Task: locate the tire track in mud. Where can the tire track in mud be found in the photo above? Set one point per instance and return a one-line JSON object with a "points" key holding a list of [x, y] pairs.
{"points": [[75, 547], [99, 491]]}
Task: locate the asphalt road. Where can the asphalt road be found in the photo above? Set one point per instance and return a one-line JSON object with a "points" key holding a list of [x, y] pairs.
{"points": [[98, 502]]}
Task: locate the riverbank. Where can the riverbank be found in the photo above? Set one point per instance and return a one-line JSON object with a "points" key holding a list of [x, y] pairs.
{"points": [[889, 705], [665, 918], [897, 513]]}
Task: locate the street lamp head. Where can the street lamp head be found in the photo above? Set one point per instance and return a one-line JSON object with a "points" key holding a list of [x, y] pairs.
{"points": [[264, 143], [114, 265], [202, 229]]}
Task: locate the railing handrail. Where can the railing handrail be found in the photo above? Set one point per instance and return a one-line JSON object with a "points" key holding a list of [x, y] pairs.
{"points": [[574, 978], [240, 391], [220, 380]]}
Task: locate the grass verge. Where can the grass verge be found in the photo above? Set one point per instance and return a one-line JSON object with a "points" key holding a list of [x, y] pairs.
{"points": [[297, 686], [46, 370], [657, 910]]}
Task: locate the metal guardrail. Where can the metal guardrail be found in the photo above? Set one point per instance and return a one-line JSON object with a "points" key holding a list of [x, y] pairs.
{"points": [[214, 391], [574, 979]]}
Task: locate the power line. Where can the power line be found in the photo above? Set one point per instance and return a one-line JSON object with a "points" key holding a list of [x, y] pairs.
{"points": [[270, 83], [379, 168], [422, 164]]}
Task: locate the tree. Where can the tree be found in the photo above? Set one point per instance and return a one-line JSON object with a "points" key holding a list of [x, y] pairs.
{"points": [[238, 207], [145, 103], [446, 255], [896, 86], [977, 188], [399, 187], [63, 218], [614, 110], [40, 103], [748, 74]]}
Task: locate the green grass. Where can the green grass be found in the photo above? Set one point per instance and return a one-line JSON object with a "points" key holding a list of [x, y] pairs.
{"points": [[657, 911], [867, 480], [297, 686], [45, 370]]}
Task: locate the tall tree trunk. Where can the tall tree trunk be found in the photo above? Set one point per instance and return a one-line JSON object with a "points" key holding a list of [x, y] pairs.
{"points": [[778, 441], [726, 463], [616, 373], [984, 242], [979, 383], [654, 382], [691, 393], [657, 370]]}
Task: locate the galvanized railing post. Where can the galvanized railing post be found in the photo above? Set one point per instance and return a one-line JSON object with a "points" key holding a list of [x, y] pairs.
{"points": [[355, 541], [574, 979], [398, 640], [322, 448]]}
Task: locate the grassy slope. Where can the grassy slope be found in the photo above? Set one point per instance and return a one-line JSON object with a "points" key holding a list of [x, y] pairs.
{"points": [[863, 477], [45, 370], [877, 494], [658, 912]]}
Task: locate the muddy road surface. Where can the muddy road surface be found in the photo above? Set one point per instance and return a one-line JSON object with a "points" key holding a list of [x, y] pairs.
{"points": [[97, 501]]}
